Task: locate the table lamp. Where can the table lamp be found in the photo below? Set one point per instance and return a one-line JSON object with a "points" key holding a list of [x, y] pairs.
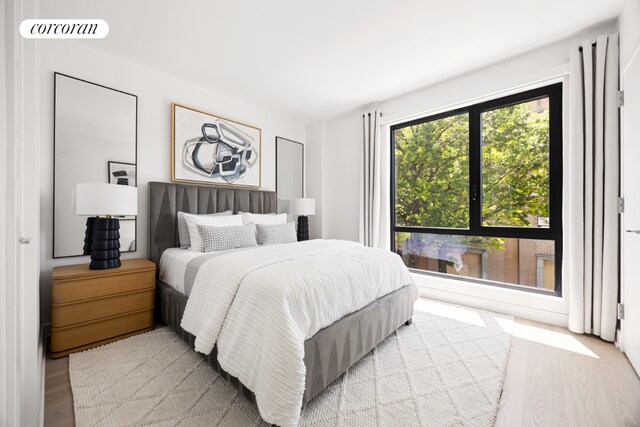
{"points": [[102, 237], [303, 208]]}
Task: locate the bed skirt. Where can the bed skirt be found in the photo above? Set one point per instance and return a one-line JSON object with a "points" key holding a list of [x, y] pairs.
{"points": [[329, 353]]}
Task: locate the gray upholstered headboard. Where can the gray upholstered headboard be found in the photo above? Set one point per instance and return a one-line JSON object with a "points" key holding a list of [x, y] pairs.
{"points": [[167, 198]]}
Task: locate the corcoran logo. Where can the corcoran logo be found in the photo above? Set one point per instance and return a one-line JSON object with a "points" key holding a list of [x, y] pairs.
{"points": [[64, 29]]}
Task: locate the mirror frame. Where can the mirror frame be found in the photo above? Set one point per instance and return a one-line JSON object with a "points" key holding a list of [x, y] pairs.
{"points": [[53, 181], [278, 139]]}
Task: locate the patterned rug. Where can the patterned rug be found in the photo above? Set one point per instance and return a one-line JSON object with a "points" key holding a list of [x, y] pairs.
{"points": [[447, 368]]}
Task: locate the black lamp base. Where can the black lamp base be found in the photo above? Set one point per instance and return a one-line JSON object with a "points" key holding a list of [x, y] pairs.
{"points": [[88, 236], [105, 247], [303, 228]]}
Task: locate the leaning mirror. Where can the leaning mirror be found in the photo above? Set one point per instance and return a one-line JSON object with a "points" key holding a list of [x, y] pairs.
{"points": [[95, 141], [289, 172]]}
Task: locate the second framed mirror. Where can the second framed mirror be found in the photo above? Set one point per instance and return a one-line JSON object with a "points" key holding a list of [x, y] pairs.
{"points": [[289, 172]]}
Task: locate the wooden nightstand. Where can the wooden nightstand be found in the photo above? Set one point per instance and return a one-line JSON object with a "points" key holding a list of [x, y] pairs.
{"points": [[95, 307]]}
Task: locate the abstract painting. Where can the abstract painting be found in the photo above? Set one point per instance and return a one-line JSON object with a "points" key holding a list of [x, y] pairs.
{"points": [[210, 149]]}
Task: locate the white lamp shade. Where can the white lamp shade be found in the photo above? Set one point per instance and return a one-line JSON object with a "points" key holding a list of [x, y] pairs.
{"points": [[106, 199], [303, 207]]}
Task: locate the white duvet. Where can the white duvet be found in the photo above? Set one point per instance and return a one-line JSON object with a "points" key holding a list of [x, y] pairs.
{"points": [[260, 304]]}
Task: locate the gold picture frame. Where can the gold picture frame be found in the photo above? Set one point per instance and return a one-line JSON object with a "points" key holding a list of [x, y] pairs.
{"points": [[214, 150]]}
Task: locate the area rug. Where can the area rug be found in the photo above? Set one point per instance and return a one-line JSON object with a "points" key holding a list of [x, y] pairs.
{"points": [[447, 368]]}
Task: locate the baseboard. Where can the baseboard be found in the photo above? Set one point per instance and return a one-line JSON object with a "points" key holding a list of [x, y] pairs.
{"points": [[619, 342], [530, 313]]}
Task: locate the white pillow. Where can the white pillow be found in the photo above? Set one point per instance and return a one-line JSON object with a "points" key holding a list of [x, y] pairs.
{"points": [[266, 219], [183, 230], [218, 221]]}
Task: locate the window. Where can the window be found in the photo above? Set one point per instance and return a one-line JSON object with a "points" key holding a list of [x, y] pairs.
{"points": [[477, 192]]}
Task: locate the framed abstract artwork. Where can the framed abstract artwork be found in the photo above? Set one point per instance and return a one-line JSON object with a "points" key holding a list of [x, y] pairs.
{"points": [[209, 149]]}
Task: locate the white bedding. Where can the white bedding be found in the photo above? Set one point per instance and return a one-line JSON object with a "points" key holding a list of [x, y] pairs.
{"points": [[173, 265], [260, 304]]}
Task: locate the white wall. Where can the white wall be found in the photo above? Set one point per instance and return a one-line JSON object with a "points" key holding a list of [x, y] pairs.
{"points": [[629, 30], [313, 175], [341, 176], [155, 93], [340, 169]]}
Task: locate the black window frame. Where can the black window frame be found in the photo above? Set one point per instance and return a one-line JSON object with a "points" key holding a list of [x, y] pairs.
{"points": [[476, 228]]}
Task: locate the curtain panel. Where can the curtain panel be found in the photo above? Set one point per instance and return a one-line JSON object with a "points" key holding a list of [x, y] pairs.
{"points": [[593, 197], [371, 185]]}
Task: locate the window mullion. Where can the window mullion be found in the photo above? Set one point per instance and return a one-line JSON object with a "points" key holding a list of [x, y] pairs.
{"points": [[475, 172]]}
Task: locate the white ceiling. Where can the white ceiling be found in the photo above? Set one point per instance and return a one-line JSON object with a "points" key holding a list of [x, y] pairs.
{"points": [[319, 58]]}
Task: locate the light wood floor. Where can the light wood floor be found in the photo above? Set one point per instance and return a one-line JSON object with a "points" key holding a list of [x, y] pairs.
{"points": [[557, 378], [554, 378]]}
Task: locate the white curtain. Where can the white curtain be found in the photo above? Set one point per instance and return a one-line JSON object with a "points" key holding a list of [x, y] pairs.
{"points": [[593, 197], [371, 185]]}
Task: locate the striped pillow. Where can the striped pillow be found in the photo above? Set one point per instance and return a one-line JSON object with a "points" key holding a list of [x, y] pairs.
{"points": [[278, 233], [229, 237]]}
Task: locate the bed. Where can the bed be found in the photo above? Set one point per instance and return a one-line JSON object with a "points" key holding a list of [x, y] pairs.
{"points": [[329, 352]]}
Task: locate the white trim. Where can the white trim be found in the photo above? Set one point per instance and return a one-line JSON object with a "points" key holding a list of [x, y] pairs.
{"points": [[28, 198], [10, 358], [7, 388], [557, 75], [619, 342], [42, 355], [527, 305], [622, 330], [22, 351]]}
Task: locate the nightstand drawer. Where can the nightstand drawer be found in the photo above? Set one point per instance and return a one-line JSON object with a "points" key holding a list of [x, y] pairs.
{"points": [[67, 338], [98, 308], [100, 286]]}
